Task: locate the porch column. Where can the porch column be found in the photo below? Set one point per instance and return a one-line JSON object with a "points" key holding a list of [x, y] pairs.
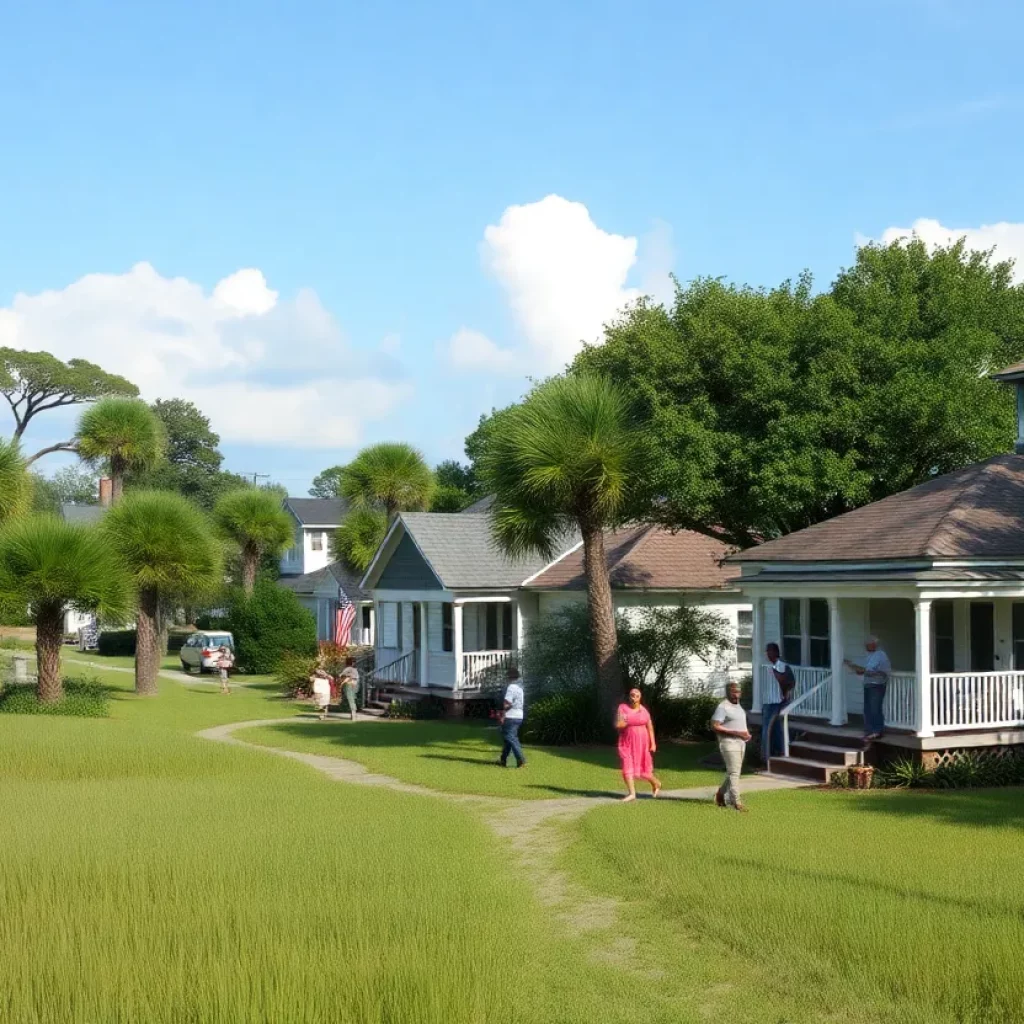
{"points": [[757, 643], [424, 643], [835, 642], [457, 642], [923, 666]]}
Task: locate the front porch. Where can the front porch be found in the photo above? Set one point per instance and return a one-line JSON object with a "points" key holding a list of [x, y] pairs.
{"points": [[958, 661], [446, 644]]}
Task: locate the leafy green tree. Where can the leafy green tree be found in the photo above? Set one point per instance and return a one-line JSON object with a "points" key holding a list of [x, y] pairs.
{"points": [[124, 435], [256, 521], [33, 382], [70, 485], [564, 460], [357, 538], [50, 566], [170, 550], [268, 624], [768, 411], [15, 483], [456, 487], [327, 484], [391, 476]]}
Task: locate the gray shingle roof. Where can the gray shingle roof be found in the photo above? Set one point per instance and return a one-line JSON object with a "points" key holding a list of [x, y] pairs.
{"points": [[307, 584], [81, 515], [478, 507], [461, 552], [317, 511]]}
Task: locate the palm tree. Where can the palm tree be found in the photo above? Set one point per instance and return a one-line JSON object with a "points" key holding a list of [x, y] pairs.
{"points": [[563, 461], [257, 523], [15, 483], [391, 476], [123, 433], [172, 554], [50, 566], [357, 539]]}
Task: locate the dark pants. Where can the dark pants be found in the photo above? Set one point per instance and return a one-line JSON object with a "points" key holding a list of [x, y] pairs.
{"points": [[771, 746], [874, 718], [510, 732]]}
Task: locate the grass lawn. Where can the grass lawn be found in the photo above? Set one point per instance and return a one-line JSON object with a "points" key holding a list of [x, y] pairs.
{"points": [[824, 906], [460, 758]]}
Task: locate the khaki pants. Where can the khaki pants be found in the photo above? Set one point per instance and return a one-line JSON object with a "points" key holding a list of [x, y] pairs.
{"points": [[350, 698], [732, 751]]}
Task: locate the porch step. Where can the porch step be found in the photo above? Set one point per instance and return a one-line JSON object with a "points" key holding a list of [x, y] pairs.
{"points": [[830, 736], [374, 710], [803, 768], [830, 753]]}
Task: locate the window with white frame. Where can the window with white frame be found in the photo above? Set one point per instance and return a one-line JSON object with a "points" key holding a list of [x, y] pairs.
{"points": [[805, 632], [744, 637], [792, 631], [316, 542], [819, 649], [447, 627]]}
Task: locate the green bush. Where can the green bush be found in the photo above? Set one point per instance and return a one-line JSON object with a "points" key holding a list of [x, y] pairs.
{"points": [[293, 673], [211, 622], [266, 625], [85, 698], [116, 642], [686, 716], [565, 718], [904, 773]]}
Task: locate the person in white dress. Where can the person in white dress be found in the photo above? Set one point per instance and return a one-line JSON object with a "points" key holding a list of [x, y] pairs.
{"points": [[321, 691]]}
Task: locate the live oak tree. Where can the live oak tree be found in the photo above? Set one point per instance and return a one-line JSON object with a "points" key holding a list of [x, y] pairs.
{"points": [[327, 484], [770, 410], [566, 460], [34, 382], [456, 487]]}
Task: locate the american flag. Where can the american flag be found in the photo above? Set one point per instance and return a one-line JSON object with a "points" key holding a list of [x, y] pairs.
{"points": [[344, 618]]}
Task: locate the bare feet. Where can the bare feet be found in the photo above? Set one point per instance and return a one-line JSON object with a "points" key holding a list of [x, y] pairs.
{"points": [[628, 797], [655, 790]]}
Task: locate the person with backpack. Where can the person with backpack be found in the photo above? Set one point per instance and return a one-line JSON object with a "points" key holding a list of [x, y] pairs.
{"points": [[771, 723]]}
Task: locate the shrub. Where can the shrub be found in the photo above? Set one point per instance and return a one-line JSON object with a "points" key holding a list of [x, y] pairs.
{"points": [[116, 642], [421, 710], [904, 773], [293, 673], [268, 623], [687, 716], [85, 698], [207, 621], [565, 718]]}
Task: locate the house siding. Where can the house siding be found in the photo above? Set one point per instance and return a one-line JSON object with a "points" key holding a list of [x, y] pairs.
{"points": [[407, 570]]}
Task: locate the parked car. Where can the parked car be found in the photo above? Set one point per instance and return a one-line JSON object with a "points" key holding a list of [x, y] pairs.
{"points": [[199, 651]]}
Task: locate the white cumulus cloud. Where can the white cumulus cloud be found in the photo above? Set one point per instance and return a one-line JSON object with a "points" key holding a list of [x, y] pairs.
{"points": [[564, 278], [1005, 237], [266, 371]]}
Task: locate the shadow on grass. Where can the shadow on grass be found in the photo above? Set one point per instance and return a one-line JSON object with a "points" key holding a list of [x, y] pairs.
{"points": [[593, 794], [980, 808]]}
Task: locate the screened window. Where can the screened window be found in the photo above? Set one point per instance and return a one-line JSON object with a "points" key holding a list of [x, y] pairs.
{"points": [[942, 628], [819, 652], [447, 628], [792, 632], [744, 637]]}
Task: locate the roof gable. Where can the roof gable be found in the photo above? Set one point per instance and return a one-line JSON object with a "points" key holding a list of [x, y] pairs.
{"points": [[973, 513], [328, 512], [407, 569]]}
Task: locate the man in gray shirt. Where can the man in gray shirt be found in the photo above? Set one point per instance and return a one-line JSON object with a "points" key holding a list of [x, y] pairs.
{"points": [[730, 723]]}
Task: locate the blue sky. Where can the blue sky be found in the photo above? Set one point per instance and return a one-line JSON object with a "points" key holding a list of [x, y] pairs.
{"points": [[379, 178]]}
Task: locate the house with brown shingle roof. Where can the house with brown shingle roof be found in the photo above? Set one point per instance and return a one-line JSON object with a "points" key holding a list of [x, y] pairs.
{"points": [[452, 610], [936, 574]]}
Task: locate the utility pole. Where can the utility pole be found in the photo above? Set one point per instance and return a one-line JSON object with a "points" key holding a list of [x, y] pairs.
{"points": [[258, 476]]}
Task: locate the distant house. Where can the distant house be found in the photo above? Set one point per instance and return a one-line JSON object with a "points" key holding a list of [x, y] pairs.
{"points": [[314, 520], [452, 611], [80, 515], [324, 591]]}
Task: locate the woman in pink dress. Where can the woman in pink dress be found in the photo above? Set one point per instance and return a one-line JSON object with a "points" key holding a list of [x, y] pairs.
{"points": [[636, 744]]}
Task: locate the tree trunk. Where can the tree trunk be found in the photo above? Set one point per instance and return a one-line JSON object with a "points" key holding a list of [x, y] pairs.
{"points": [[250, 565], [116, 487], [49, 640], [147, 644], [602, 624]]}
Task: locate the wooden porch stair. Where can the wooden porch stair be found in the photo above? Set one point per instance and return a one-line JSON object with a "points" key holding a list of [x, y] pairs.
{"points": [[818, 754]]}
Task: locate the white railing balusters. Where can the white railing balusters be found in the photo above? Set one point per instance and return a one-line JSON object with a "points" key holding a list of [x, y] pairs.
{"points": [[480, 667], [977, 700]]}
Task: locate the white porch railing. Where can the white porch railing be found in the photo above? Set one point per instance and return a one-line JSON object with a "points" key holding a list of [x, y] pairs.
{"points": [[400, 672], [977, 700], [900, 706], [809, 698], [819, 705], [484, 668]]}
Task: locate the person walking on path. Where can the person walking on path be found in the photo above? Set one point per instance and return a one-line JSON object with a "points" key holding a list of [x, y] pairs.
{"points": [[730, 722], [512, 714], [771, 735], [321, 691], [636, 745], [225, 661], [349, 679], [875, 670]]}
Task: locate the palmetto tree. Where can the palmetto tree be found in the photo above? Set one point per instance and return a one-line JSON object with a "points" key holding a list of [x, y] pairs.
{"points": [[172, 554], [122, 433], [50, 566], [356, 540], [257, 523], [15, 483], [562, 461], [391, 476]]}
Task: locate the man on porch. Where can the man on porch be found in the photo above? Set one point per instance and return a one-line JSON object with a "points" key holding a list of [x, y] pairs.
{"points": [[771, 731], [876, 671]]}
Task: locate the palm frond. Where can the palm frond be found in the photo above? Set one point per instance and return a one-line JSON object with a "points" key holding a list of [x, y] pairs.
{"points": [[390, 475], [123, 430], [253, 517]]}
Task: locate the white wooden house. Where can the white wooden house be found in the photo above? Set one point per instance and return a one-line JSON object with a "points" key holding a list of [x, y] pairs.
{"points": [[452, 611], [314, 521]]}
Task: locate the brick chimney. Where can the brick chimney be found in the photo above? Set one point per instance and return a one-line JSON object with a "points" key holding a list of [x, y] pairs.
{"points": [[106, 491]]}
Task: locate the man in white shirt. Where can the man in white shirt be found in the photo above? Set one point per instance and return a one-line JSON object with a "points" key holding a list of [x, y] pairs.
{"points": [[730, 723], [876, 671], [512, 720]]}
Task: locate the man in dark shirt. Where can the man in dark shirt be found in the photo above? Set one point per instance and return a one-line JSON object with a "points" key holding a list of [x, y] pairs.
{"points": [[772, 743]]}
